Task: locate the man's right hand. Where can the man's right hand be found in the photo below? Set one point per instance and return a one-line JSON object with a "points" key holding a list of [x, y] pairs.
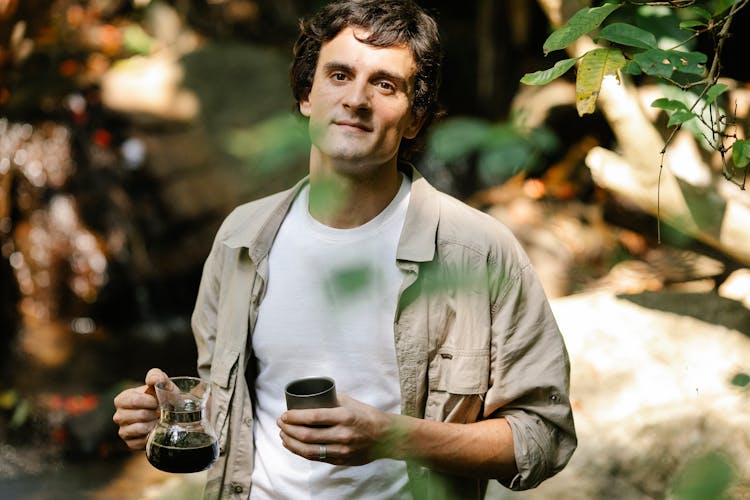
{"points": [[137, 411]]}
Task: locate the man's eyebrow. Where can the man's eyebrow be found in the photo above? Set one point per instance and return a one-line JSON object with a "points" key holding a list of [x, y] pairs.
{"points": [[337, 66]]}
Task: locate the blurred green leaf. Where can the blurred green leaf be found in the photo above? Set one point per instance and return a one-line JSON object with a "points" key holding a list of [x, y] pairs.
{"points": [[741, 153], [349, 281], [270, 144], [20, 414], [507, 152], [741, 380], [722, 5], [701, 12], [708, 476], [579, 24], [689, 25], [457, 137], [544, 139], [136, 40], [627, 34], [593, 68], [545, 76]]}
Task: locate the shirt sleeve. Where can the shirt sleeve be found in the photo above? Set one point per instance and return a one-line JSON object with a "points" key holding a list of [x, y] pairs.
{"points": [[530, 377]]}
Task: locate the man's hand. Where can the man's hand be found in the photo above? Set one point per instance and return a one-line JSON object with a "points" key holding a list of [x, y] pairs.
{"points": [[352, 434], [356, 434], [137, 411]]}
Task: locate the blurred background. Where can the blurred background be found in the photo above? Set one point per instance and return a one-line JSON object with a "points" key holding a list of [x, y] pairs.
{"points": [[130, 128]]}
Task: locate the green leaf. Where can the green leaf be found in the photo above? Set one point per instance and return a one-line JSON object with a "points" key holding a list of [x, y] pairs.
{"points": [[705, 476], [669, 104], [702, 13], [722, 5], [689, 25], [627, 34], [741, 153], [457, 137], [714, 92], [632, 68], [581, 23], [137, 41], [655, 62], [21, 414], [679, 117], [741, 380], [594, 66], [693, 63], [663, 63], [270, 145], [547, 75]]}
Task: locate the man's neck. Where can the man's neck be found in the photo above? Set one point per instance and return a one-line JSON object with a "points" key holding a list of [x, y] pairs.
{"points": [[344, 201]]}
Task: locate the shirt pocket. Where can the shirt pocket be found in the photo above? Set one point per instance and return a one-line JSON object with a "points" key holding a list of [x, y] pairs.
{"points": [[458, 381]]}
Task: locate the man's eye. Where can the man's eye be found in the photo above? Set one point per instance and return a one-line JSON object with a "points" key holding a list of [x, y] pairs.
{"points": [[339, 77], [387, 86]]}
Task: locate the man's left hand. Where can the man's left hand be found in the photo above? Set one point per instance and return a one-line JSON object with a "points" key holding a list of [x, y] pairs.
{"points": [[352, 434]]}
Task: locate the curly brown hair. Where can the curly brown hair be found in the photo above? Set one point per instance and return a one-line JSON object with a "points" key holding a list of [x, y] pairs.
{"points": [[389, 23]]}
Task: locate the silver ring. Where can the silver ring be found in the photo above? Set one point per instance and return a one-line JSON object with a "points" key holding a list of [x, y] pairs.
{"points": [[323, 452]]}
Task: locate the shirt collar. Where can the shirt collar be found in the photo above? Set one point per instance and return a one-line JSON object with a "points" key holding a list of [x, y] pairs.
{"points": [[418, 237]]}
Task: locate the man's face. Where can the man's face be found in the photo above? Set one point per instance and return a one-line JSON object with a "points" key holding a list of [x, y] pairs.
{"points": [[360, 102]]}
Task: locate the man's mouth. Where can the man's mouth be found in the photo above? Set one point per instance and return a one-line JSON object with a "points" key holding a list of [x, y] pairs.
{"points": [[354, 124]]}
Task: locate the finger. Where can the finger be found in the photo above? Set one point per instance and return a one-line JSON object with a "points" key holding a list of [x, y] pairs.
{"points": [[136, 432], [137, 444], [127, 417], [307, 434], [333, 454], [318, 416], [135, 398], [154, 376]]}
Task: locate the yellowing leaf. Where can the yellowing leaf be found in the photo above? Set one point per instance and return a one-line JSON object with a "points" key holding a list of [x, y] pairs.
{"points": [[592, 68]]}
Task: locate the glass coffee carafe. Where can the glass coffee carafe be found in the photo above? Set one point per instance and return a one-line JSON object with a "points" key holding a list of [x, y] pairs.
{"points": [[183, 440]]}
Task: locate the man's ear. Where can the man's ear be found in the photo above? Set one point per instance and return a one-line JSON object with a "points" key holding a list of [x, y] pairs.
{"points": [[417, 120], [304, 105]]}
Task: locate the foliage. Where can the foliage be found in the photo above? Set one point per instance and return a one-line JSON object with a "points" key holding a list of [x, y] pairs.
{"points": [[706, 476], [664, 54], [741, 380], [500, 149]]}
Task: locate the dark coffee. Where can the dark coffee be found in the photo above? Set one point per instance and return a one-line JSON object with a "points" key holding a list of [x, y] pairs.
{"points": [[199, 454]]}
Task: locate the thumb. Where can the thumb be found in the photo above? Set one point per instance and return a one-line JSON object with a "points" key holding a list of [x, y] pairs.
{"points": [[154, 376]]}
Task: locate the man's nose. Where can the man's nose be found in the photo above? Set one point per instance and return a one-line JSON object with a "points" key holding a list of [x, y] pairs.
{"points": [[357, 97]]}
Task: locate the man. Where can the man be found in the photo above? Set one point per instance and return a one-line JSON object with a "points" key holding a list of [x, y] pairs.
{"points": [[449, 364]]}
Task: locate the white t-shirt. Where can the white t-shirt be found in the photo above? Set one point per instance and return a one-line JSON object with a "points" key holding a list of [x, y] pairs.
{"points": [[328, 311]]}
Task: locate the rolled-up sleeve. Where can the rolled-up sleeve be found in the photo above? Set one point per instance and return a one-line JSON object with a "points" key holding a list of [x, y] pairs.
{"points": [[530, 378]]}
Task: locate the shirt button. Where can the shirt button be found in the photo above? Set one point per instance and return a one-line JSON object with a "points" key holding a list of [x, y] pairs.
{"points": [[247, 421], [237, 488]]}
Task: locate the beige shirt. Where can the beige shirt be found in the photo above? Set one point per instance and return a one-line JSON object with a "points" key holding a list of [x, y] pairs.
{"points": [[474, 334]]}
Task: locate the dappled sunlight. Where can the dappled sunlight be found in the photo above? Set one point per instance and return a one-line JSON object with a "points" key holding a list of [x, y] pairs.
{"points": [[134, 127], [48, 248]]}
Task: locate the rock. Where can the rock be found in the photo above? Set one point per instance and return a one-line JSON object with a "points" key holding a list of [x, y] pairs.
{"points": [[651, 390]]}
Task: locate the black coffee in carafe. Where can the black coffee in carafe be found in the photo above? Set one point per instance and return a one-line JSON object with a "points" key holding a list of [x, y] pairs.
{"points": [[183, 441]]}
